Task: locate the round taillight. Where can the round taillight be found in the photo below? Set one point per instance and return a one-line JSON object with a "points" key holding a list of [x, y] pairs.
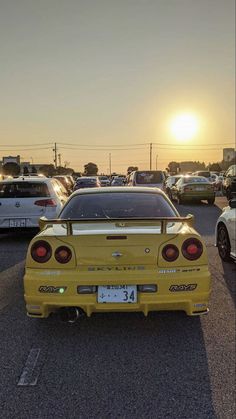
{"points": [[170, 252], [41, 251], [63, 254], [192, 249]]}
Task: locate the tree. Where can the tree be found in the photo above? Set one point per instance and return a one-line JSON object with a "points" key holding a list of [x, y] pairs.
{"points": [[25, 170], [47, 170], [131, 169], [215, 167], [90, 169], [173, 167], [11, 169]]}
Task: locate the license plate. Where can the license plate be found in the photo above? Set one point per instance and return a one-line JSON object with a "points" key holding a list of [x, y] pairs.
{"points": [[20, 222], [200, 189], [117, 294]]}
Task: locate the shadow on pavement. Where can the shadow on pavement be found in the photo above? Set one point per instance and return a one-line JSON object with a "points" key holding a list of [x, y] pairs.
{"points": [[229, 275], [14, 245], [122, 366]]}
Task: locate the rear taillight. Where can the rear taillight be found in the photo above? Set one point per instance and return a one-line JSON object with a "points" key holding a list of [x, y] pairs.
{"points": [[192, 249], [187, 188], [63, 254], [170, 252], [45, 203], [41, 251]]}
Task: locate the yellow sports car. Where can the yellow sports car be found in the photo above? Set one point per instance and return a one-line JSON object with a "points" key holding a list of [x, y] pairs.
{"points": [[116, 249]]}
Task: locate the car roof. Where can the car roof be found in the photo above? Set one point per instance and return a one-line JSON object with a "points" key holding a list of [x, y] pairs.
{"points": [[27, 179], [113, 189]]}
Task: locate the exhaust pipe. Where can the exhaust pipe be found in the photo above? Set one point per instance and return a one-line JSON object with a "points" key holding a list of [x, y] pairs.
{"points": [[70, 314]]}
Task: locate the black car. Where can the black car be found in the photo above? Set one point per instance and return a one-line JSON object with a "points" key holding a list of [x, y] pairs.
{"points": [[171, 181], [87, 182], [229, 184]]}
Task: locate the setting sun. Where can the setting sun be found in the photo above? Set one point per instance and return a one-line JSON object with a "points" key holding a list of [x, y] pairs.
{"points": [[184, 126]]}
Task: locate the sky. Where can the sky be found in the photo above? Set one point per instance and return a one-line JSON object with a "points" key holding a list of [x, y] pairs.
{"points": [[102, 77]]}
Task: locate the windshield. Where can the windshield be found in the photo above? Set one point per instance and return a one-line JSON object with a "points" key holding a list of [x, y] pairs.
{"points": [[117, 205], [23, 190], [86, 181], [149, 177], [195, 180]]}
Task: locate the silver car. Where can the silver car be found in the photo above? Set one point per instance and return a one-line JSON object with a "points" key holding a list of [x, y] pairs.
{"points": [[24, 200]]}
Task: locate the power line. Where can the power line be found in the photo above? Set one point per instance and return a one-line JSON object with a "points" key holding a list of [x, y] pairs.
{"points": [[24, 145]]}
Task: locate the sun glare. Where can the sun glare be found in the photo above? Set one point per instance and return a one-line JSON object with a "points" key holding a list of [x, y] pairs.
{"points": [[184, 127]]}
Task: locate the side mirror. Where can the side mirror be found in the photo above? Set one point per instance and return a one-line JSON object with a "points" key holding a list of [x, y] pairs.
{"points": [[232, 203]]}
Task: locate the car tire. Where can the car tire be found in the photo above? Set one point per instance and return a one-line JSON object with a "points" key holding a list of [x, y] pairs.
{"points": [[211, 201], [223, 243], [228, 194]]}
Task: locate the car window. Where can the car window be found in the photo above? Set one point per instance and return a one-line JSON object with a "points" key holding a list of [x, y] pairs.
{"points": [[147, 177], [117, 205], [23, 190], [195, 180], [59, 188], [86, 181]]}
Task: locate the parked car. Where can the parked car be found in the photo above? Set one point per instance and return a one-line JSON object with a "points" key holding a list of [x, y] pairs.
{"points": [[87, 182], [226, 232], [203, 173], [170, 181], [229, 183], [104, 180], [150, 178], [193, 188], [117, 181], [24, 200], [66, 182], [116, 249], [218, 183]]}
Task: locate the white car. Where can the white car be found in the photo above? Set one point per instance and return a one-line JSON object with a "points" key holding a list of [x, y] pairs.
{"points": [[24, 200], [226, 232]]}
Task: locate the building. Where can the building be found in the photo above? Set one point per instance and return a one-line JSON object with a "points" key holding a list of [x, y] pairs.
{"points": [[229, 154]]}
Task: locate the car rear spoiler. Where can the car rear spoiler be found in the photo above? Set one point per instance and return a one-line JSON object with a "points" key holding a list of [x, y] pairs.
{"points": [[119, 222]]}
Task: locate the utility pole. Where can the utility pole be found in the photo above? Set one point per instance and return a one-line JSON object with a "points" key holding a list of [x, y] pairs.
{"points": [[150, 156], [110, 164], [55, 154], [59, 158]]}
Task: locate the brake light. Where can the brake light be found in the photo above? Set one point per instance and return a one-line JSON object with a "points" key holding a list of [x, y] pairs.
{"points": [[45, 203], [41, 251], [63, 254], [192, 249], [187, 188], [170, 252]]}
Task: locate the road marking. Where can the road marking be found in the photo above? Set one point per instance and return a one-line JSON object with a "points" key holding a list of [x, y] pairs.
{"points": [[29, 376]]}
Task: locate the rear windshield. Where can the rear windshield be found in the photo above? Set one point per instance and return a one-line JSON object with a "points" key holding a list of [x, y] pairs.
{"points": [[195, 180], [117, 205], [86, 181], [149, 177], [23, 190], [205, 174]]}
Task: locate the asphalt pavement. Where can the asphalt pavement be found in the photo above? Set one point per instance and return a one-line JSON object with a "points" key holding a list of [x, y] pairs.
{"points": [[122, 365]]}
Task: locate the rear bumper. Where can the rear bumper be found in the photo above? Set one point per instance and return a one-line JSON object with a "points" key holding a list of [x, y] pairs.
{"points": [[192, 302], [197, 197]]}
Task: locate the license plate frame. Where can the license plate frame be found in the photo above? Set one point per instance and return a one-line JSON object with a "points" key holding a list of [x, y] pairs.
{"points": [[118, 294], [17, 222]]}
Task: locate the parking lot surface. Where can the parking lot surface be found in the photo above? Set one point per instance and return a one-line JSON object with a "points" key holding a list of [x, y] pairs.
{"points": [[115, 365]]}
